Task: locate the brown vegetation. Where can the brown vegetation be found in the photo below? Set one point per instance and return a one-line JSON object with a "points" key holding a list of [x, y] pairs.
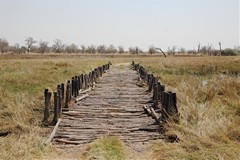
{"points": [[208, 101]]}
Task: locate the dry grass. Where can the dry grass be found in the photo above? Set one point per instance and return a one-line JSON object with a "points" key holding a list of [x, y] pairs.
{"points": [[208, 90], [21, 100]]}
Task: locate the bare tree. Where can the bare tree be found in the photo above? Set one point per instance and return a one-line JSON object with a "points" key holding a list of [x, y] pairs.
{"points": [[182, 50], [17, 49], [172, 50], [198, 47], [220, 47], [83, 49], [91, 49], [4, 46], [203, 50], [111, 49], [29, 42], [209, 49], [101, 49], [120, 49], [43, 46], [135, 50], [58, 46], [72, 48], [152, 49]]}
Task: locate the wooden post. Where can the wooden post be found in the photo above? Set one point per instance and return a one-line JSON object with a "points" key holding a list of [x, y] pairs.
{"points": [[86, 81], [165, 106], [155, 96], [90, 79], [96, 72], [70, 91], [76, 86], [68, 94], [56, 115], [59, 95], [161, 90], [151, 84], [79, 85], [173, 111], [73, 86], [100, 71], [62, 87], [93, 77], [169, 107], [150, 77], [82, 80], [47, 96]]}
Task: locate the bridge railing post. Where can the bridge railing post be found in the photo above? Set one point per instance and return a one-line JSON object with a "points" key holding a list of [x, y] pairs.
{"points": [[56, 112], [47, 96]]}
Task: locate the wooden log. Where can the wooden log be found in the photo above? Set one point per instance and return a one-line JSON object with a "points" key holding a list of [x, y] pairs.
{"points": [[80, 98], [73, 86], [93, 77], [155, 96], [86, 81], [151, 82], [46, 110], [71, 142], [165, 106], [147, 110], [173, 111], [53, 132], [75, 91], [82, 81], [56, 115], [154, 115], [59, 96], [47, 106], [68, 94], [4, 133], [100, 71], [63, 90], [90, 79]]}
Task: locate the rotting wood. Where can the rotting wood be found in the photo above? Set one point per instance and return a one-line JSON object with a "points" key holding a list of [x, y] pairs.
{"points": [[85, 91], [115, 108], [81, 98], [4, 133], [53, 132]]}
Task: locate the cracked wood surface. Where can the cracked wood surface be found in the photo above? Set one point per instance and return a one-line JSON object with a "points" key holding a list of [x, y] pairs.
{"points": [[115, 108]]}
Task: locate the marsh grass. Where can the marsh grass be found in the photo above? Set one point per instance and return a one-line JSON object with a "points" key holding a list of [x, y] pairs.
{"points": [[208, 92], [21, 100]]}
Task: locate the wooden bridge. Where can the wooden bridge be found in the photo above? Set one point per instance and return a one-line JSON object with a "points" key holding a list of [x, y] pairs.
{"points": [[119, 103]]}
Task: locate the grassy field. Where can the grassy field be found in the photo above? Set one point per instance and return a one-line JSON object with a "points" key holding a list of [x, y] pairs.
{"points": [[208, 91]]}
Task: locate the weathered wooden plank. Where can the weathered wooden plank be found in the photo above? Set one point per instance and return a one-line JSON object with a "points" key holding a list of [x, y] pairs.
{"points": [[113, 108]]}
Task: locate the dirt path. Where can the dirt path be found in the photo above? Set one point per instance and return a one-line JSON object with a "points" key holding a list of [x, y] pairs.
{"points": [[113, 108]]}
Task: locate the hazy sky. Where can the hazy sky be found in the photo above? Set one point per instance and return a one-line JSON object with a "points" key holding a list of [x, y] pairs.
{"points": [[163, 23]]}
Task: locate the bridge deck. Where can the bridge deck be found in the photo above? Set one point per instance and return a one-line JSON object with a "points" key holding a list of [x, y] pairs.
{"points": [[113, 108]]}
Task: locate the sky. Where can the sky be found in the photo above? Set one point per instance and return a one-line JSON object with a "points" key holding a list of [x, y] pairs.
{"points": [[162, 23]]}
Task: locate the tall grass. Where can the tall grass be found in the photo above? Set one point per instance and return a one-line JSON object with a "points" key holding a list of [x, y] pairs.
{"points": [[208, 90], [21, 100]]}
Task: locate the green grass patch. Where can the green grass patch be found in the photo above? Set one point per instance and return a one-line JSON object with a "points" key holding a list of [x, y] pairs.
{"points": [[109, 148]]}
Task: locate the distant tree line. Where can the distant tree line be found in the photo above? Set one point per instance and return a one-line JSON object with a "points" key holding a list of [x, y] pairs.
{"points": [[59, 47]]}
